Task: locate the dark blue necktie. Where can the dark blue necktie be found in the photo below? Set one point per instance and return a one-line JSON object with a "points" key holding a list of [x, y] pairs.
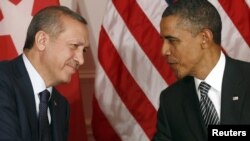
{"points": [[208, 111], [44, 127]]}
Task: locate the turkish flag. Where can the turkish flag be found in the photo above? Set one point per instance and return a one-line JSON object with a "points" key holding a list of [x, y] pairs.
{"points": [[15, 16]]}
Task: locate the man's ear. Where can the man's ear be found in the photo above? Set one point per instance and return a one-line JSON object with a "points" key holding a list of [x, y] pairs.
{"points": [[207, 38], [41, 40]]}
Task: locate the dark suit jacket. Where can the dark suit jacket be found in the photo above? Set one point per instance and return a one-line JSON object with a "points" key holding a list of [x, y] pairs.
{"points": [[18, 117], [179, 116]]}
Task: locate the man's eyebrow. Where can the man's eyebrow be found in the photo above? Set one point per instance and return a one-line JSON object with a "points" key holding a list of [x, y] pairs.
{"points": [[169, 37]]}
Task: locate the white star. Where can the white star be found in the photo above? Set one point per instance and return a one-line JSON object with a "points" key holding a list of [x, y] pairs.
{"points": [[16, 20]]}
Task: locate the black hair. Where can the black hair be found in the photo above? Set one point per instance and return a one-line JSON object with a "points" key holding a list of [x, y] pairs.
{"points": [[198, 14]]}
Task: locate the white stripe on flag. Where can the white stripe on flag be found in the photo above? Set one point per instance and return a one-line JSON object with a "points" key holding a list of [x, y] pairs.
{"points": [[132, 55], [153, 10], [232, 41], [115, 111]]}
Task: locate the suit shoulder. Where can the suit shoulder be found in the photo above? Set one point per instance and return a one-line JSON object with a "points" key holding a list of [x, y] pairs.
{"points": [[4, 66], [242, 67], [8, 67], [5, 71], [238, 63]]}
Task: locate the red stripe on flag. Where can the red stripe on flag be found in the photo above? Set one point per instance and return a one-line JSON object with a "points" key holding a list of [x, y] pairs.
{"points": [[106, 132], [7, 48], [145, 34], [239, 13], [128, 90], [40, 4]]}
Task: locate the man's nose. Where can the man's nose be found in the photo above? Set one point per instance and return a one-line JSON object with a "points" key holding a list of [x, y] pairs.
{"points": [[165, 50], [79, 57]]}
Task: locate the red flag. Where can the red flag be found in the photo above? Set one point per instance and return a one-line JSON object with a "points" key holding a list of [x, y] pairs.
{"points": [[15, 16], [131, 72]]}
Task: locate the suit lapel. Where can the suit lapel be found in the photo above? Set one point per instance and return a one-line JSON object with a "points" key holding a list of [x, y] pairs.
{"points": [[24, 87], [192, 111], [232, 94]]}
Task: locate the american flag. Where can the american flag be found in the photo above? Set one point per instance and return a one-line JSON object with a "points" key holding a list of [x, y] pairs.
{"points": [[131, 72]]}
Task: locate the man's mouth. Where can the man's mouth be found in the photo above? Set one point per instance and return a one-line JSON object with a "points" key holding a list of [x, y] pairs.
{"points": [[73, 65]]}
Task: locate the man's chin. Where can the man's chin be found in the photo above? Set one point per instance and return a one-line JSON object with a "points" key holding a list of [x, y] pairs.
{"points": [[178, 75], [67, 79]]}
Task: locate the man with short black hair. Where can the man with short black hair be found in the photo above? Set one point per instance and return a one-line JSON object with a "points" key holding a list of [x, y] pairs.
{"points": [[212, 88]]}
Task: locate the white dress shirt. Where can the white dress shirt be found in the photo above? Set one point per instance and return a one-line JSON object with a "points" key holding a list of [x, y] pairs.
{"points": [[37, 82], [214, 79]]}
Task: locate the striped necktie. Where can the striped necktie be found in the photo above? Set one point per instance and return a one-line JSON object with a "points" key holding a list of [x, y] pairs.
{"points": [[208, 111]]}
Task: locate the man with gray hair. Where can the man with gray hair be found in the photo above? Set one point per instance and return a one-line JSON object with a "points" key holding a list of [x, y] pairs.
{"points": [[31, 108]]}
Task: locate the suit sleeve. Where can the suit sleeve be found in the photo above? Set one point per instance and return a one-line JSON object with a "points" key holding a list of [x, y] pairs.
{"points": [[162, 131], [9, 126]]}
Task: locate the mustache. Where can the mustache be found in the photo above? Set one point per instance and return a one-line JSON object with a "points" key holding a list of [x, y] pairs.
{"points": [[74, 64]]}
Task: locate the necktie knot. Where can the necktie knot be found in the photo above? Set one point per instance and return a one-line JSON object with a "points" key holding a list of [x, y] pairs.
{"points": [[204, 87], [44, 96]]}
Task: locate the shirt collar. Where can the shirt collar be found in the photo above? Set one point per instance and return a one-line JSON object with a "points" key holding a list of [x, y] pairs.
{"points": [[215, 77], [36, 80]]}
